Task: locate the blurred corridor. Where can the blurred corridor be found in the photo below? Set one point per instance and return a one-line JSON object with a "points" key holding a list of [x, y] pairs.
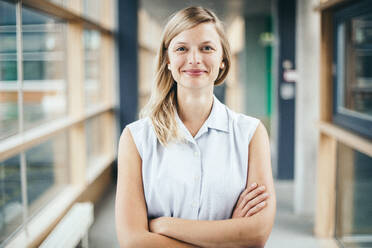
{"points": [[74, 73]]}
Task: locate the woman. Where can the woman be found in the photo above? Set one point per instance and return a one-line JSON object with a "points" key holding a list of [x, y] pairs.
{"points": [[183, 177]]}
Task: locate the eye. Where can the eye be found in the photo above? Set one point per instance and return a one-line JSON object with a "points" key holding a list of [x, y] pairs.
{"points": [[181, 49], [208, 48]]}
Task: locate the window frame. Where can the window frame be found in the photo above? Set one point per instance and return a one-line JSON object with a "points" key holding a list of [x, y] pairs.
{"points": [[83, 181], [352, 122]]}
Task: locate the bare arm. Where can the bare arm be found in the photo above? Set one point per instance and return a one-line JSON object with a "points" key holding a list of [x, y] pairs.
{"points": [[130, 207], [250, 231]]}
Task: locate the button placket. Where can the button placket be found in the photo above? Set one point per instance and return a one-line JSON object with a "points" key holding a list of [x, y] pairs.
{"points": [[197, 182]]}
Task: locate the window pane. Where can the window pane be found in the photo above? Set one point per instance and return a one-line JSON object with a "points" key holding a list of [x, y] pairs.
{"points": [[11, 210], [47, 171], [8, 71], [94, 140], [355, 59], [44, 86], [354, 202], [92, 48]]}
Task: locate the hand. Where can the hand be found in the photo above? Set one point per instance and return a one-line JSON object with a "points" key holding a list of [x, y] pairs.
{"points": [[251, 201]]}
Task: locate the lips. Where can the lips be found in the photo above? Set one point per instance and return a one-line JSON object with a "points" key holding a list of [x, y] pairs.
{"points": [[194, 72]]}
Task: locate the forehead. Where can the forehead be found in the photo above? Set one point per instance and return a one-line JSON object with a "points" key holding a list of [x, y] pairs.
{"points": [[197, 34]]}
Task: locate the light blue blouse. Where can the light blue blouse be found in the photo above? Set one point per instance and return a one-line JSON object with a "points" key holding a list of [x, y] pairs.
{"points": [[202, 178]]}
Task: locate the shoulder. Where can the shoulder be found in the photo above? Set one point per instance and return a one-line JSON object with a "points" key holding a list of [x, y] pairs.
{"points": [[139, 124], [242, 119], [135, 133], [140, 128], [260, 140], [243, 123]]}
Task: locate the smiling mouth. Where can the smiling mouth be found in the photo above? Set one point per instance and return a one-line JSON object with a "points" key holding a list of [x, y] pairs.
{"points": [[194, 72]]}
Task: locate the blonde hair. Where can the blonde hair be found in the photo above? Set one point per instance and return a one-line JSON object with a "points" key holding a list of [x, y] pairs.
{"points": [[162, 106]]}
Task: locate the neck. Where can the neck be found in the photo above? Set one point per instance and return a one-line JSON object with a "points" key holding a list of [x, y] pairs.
{"points": [[194, 106]]}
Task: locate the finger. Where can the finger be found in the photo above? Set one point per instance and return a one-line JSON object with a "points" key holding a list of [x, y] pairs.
{"points": [[245, 192], [252, 195], [254, 202], [256, 209]]}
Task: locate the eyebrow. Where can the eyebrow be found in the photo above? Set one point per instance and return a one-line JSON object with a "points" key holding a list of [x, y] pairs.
{"points": [[204, 42]]}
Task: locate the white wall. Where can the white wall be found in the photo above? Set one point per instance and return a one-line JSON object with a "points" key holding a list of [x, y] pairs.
{"points": [[307, 106]]}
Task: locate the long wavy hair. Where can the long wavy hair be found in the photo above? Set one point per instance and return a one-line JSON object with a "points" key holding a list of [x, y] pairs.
{"points": [[162, 106]]}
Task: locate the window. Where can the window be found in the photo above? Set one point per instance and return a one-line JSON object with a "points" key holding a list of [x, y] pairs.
{"points": [[353, 63], [48, 134], [92, 82], [353, 201], [11, 210], [44, 85], [8, 71], [47, 171]]}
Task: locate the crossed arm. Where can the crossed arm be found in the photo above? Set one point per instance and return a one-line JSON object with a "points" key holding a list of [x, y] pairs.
{"points": [[250, 225]]}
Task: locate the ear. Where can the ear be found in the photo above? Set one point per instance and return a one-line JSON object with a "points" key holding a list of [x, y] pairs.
{"points": [[222, 66]]}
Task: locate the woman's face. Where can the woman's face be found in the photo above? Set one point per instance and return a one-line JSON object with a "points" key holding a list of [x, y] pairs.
{"points": [[195, 56]]}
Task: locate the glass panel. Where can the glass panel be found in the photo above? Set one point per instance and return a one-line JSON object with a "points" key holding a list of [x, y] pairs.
{"points": [[92, 47], [47, 171], [8, 71], [11, 210], [94, 139], [44, 87], [355, 71], [354, 202]]}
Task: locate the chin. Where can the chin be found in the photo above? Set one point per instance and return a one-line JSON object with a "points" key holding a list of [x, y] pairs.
{"points": [[195, 84]]}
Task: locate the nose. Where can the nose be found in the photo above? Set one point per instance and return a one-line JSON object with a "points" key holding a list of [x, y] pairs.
{"points": [[194, 57]]}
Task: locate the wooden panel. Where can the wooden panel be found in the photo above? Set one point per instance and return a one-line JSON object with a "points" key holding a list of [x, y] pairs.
{"points": [[78, 158], [146, 74], [327, 4], [75, 6], [345, 190], [72, 15], [348, 138], [107, 15], [108, 121], [149, 31], [326, 187], [107, 69], [326, 67], [234, 88], [236, 35], [95, 190], [60, 170], [17, 143], [76, 93], [75, 69]]}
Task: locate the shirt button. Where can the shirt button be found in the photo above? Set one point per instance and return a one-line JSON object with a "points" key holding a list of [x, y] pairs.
{"points": [[194, 205], [196, 178], [196, 154]]}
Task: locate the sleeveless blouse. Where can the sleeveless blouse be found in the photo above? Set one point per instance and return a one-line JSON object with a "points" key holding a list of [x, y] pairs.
{"points": [[200, 179]]}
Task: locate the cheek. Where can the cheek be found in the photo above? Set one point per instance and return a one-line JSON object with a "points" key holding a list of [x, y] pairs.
{"points": [[176, 62], [214, 63]]}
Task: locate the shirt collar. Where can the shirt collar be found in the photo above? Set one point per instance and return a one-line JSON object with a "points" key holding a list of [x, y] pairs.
{"points": [[217, 119]]}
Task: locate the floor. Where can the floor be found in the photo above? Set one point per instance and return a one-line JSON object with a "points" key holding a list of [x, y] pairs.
{"points": [[289, 229]]}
